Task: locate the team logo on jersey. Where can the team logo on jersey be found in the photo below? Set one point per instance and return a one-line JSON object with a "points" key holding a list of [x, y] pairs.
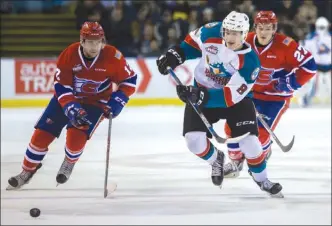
{"points": [[209, 25], [89, 86], [218, 69], [264, 76], [254, 74], [221, 80], [323, 49], [212, 49], [77, 68]]}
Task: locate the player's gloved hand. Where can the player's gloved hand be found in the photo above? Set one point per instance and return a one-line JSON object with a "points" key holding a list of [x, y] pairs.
{"points": [[196, 95], [115, 104], [287, 84], [173, 58], [77, 116]]}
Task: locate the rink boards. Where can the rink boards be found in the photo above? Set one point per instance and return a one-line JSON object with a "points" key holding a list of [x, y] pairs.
{"points": [[29, 82]]}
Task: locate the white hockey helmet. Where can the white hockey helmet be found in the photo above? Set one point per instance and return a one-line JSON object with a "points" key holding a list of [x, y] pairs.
{"points": [[236, 22], [322, 22], [322, 26]]}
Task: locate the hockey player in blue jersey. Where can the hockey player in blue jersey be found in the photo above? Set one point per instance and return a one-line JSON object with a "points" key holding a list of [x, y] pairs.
{"points": [[224, 76]]}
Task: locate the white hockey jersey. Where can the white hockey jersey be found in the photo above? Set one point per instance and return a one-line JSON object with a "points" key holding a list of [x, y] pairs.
{"points": [[320, 47], [228, 75]]}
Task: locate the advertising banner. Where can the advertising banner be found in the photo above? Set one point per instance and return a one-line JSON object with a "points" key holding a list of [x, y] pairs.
{"points": [[34, 76]]}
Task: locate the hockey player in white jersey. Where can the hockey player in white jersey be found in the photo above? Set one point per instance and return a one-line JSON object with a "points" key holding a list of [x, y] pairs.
{"points": [[319, 44], [224, 76]]}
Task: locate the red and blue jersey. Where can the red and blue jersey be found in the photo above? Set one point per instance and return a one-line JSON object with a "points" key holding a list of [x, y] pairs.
{"points": [[281, 57], [78, 79]]}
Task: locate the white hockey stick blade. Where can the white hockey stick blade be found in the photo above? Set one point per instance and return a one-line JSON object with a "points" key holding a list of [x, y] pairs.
{"points": [[236, 139], [110, 189]]}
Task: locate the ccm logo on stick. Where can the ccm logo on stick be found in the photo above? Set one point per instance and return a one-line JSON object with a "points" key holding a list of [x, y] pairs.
{"points": [[245, 123]]}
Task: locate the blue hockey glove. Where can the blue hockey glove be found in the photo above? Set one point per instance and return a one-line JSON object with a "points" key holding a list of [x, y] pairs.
{"points": [[116, 103], [287, 84], [77, 116]]}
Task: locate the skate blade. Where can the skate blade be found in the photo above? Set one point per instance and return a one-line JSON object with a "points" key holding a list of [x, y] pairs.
{"points": [[232, 175], [11, 188], [278, 195]]}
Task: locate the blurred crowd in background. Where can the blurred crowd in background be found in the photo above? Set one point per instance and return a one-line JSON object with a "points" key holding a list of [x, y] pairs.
{"points": [[147, 28]]}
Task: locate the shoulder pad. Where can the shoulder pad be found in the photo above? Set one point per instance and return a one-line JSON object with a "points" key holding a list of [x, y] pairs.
{"points": [[211, 30]]}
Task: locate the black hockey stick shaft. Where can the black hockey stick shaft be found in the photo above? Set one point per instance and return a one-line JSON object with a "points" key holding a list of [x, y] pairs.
{"points": [[108, 149], [284, 148], [205, 121]]}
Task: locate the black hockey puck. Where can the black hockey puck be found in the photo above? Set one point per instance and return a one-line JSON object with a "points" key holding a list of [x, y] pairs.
{"points": [[34, 212]]}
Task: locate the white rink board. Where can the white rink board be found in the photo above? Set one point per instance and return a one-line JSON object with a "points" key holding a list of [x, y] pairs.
{"points": [[160, 181], [34, 79], [33, 76]]}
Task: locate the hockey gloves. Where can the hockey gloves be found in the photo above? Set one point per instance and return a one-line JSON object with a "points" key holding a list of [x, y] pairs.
{"points": [[287, 84], [173, 57], [116, 103], [77, 116], [196, 95]]}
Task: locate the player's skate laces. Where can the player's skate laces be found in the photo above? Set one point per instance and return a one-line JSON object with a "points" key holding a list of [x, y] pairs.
{"points": [[233, 168], [64, 171], [217, 175], [21, 179]]}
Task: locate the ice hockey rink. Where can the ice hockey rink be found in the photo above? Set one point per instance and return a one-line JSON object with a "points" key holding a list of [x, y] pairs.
{"points": [[160, 181]]}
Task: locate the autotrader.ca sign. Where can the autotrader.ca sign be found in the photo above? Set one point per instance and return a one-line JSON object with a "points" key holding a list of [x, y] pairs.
{"points": [[33, 76]]}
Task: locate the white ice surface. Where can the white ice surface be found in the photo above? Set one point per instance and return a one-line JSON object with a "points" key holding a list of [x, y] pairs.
{"points": [[160, 181]]}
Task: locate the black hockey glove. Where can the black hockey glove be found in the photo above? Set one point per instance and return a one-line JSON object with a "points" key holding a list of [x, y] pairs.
{"points": [[196, 95], [173, 58]]}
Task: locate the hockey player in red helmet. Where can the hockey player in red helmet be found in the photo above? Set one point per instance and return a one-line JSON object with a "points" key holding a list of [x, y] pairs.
{"points": [[265, 26], [83, 98], [92, 39], [285, 67]]}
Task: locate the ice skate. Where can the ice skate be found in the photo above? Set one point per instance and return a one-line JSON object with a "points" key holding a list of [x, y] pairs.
{"points": [[21, 179], [273, 189], [233, 168], [64, 172], [217, 175]]}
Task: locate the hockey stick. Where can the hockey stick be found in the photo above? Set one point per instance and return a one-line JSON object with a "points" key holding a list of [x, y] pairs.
{"points": [[218, 138], [108, 156], [284, 148]]}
